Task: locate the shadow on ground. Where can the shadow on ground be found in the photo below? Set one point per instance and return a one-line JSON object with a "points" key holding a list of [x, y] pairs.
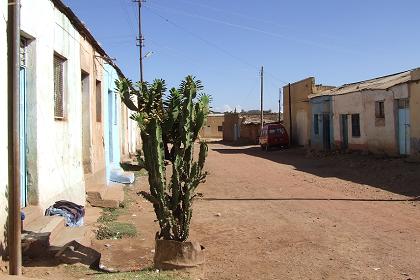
{"points": [[390, 174], [71, 253]]}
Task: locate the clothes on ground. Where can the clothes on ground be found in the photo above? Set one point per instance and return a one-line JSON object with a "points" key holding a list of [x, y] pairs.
{"points": [[72, 212]]}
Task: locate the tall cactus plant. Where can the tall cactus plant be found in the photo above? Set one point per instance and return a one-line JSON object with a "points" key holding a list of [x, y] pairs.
{"points": [[175, 118]]}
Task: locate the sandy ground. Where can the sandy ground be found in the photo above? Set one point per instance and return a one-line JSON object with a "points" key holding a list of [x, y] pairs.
{"points": [[284, 215]]}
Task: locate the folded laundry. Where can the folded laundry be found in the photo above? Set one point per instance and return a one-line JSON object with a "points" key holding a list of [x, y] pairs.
{"points": [[72, 212]]}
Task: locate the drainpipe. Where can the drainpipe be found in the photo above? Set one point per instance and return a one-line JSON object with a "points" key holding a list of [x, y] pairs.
{"points": [[14, 219]]}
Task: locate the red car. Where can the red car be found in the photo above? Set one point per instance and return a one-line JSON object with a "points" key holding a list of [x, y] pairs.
{"points": [[273, 135]]}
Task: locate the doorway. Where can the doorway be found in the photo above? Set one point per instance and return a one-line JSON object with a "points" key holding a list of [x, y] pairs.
{"points": [[86, 124], [404, 126], [326, 131], [344, 132]]}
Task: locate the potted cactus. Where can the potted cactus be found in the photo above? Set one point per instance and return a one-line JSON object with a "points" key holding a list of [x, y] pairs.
{"points": [[169, 127]]}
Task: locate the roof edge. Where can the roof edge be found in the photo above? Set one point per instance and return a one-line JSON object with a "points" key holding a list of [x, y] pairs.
{"points": [[82, 29]]}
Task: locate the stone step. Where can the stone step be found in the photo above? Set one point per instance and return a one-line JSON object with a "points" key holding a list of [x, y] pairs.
{"points": [[82, 235], [106, 196]]}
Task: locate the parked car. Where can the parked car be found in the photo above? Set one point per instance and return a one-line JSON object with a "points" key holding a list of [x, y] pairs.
{"points": [[273, 135]]}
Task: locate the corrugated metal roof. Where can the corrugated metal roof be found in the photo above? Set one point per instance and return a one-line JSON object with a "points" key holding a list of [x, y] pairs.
{"points": [[381, 83]]}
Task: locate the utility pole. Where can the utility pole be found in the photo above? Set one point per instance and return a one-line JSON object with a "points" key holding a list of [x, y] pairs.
{"points": [[279, 105], [140, 41], [14, 219], [290, 116], [262, 97]]}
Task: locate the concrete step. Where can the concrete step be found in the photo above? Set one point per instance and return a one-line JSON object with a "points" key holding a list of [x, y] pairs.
{"points": [[46, 224], [106, 196], [118, 175]]}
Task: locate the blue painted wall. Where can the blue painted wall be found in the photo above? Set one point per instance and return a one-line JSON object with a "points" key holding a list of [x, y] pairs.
{"points": [[320, 106], [112, 120]]}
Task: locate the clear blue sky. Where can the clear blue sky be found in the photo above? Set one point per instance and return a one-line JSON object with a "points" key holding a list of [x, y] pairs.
{"points": [[224, 42]]}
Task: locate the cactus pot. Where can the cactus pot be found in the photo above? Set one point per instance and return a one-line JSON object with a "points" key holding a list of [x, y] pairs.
{"points": [[170, 254]]}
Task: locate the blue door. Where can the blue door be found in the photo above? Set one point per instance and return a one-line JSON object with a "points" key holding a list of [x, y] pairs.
{"points": [[111, 125], [22, 138], [404, 126]]}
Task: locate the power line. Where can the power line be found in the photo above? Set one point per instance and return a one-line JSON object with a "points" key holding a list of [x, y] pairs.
{"points": [[128, 16], [202, 39], [261, 31]]}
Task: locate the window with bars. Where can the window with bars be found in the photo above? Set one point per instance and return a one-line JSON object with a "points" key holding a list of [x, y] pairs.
{"points": [[98, 101], [59, 87], [379, 109], [403, 103], [355, 125], [23, 52]]}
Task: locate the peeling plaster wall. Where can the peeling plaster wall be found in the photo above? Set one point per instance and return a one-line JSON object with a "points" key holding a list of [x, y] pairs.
{"points": [[93, 131], [3, 123]]}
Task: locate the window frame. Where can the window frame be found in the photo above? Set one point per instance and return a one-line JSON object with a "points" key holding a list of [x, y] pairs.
{"points": [[98, 101], [380, 109]]}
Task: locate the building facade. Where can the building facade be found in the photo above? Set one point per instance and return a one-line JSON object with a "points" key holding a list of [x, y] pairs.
{"points": [[70, 116], [297, 111], [374, 115], [322, 132], [213, 128]]}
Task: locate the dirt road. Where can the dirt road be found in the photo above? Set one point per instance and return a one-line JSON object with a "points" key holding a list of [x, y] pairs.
{"points": [[284, 216]]}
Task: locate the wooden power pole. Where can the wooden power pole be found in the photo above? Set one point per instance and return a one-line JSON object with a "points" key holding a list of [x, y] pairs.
{"points": [[262, 97], [140, 41], [13, 61]]}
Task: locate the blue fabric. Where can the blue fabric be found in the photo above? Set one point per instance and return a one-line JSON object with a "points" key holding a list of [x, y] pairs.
{"points": [[71, 220]]}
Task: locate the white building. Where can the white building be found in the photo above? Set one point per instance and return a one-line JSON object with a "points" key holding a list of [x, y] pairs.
{"points": [[56, 136]]}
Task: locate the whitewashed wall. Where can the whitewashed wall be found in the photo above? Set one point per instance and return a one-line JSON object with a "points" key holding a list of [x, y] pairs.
{"points": [[377, 138], [383, 138], [57, 144]]}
